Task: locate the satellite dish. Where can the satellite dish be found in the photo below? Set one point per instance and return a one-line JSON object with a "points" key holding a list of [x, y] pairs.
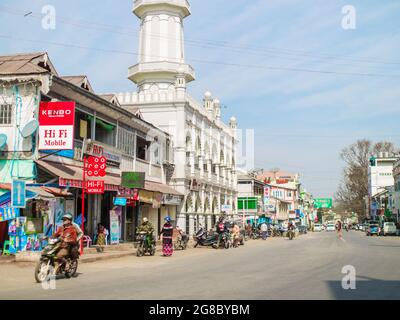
{"points": [[30, 128], [3, 140]]}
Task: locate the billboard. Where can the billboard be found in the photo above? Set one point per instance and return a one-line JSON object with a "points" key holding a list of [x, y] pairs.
{"points": [[133, 180], [323, 203], [56, 125]]}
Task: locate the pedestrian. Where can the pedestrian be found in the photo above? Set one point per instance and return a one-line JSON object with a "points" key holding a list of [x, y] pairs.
{"points": [[101, 235], [264, 231], [167, 232], [339, 229]]}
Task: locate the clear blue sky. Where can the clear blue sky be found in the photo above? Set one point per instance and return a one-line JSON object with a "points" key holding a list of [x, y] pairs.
{"points": [[301, 119]]}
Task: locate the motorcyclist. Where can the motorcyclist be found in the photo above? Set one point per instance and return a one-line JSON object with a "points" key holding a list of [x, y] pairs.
{"points": [[68, 235], [235, 233], [148, 228]]}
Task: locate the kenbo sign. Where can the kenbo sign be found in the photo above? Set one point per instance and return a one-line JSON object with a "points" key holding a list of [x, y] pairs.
{"points": [[56, 125]]}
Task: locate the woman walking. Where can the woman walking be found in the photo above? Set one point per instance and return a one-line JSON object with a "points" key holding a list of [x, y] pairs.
{"points": [[167, 232], [339, 229]]}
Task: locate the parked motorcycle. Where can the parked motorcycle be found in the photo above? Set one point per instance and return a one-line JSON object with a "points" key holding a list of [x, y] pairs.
{"points": [[256, 234], [204, 239], [145, 243], [47, 263], [181, 242]]}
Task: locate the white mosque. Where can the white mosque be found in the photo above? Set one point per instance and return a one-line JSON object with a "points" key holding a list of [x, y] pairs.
{"points": [[204, 148]]}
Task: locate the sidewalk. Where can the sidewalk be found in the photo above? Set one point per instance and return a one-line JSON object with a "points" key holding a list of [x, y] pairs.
{"points": [[91, 254]]}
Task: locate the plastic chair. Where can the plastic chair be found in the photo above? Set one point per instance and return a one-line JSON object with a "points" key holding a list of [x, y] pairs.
{"points": [[6, 248], [87, 240]]}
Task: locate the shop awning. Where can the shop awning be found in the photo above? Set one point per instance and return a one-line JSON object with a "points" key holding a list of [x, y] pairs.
{"points": [[32, 192], [69, 172], [41, 193], [161, 188], [74, 174]]}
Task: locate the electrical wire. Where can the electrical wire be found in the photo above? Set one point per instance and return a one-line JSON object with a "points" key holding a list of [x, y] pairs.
{"points": [[204, 61], [271, 51]]}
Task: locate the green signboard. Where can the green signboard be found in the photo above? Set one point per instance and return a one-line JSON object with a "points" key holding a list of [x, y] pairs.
{"points": [[133, 180], [323, 203], [247, 203]]}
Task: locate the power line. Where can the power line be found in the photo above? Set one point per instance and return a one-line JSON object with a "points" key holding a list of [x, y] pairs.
{"points": [[205, 43], [205, 61]]}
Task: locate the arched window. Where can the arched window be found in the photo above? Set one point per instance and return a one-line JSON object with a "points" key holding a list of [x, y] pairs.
{"points": [[189, 203]]}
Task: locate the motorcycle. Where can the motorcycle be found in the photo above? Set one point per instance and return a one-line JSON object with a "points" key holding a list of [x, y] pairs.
{"points": [[255, 235], [181, 242], [226, 241], [291, 234], [204, 239], [47, 263], [144, 244]]}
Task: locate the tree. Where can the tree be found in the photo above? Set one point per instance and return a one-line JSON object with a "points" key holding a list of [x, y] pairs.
{"points": [[354, 185]]}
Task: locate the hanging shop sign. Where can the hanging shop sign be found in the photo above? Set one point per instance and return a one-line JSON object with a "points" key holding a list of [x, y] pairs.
{"points": [[146, 196], [120, 202], [18, 194], [131, 201], [9, 213], [96, 166], [95, 186], [133, 180], [114, 227], [56, 125], [171, 200], [157, 200], [96, 149], [267, 191]]}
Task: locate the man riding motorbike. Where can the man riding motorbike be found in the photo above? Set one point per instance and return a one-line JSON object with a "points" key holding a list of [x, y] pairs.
{"points": [[147, 227], [68, 235]]}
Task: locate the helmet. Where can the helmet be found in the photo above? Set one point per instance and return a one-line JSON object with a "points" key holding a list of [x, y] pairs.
{"points": [[67, 216], [145, 219], [167, 219]]}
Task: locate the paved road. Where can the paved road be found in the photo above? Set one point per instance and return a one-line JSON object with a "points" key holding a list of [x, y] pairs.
{"points": [[307, 268]]}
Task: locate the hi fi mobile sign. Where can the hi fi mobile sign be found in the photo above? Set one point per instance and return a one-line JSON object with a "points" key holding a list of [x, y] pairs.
{"points": [[56, 125]]}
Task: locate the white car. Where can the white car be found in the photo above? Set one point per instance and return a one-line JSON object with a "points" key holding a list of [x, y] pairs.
{"points": [[330, 227], [317, 227], [389, 228]]}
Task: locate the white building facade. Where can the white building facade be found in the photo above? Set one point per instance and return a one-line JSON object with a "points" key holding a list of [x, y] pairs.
{"points": [[380, 177], [204, 146]]}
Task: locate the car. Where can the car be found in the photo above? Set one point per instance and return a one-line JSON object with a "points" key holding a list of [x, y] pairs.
{"points": [[372, 228], [330, 227], [389, 228], [317, 227]]}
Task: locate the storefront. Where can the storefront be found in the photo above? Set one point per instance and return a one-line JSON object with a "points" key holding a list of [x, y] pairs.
{"points": [[25, 229]]}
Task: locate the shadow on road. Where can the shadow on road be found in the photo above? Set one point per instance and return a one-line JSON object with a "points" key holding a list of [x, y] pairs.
{"points": [[367, 288]]}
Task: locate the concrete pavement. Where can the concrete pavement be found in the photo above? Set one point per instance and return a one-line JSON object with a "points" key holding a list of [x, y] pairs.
{"points": [[308, 267]]}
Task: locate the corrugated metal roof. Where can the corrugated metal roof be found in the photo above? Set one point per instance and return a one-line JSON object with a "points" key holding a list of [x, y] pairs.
{"points": [[29, 63]]}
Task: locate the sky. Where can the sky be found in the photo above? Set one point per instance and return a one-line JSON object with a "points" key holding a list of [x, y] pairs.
{"points": [[286, 69]]}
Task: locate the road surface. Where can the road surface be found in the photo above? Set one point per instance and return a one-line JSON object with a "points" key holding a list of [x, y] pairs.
{"points": [[309, 267]]}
